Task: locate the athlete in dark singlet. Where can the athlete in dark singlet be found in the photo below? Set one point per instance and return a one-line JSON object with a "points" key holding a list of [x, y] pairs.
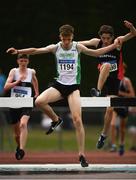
{"points": [[110, 72]]}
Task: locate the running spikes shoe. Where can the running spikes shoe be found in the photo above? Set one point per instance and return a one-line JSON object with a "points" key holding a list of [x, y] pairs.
{"points": [[95, 93], [19, 154], [113, 148], [54, 125], [83, 161], [121, 150], [100, 142]]}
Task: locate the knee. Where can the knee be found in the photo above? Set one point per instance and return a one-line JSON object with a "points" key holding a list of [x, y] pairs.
{"points": [[106, 67], [77, 120], [23, 125], [38, 102]]}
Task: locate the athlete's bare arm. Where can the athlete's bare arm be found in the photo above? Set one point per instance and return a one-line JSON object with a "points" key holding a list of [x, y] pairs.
{"points": [[130, 26], [98, 52], [35, 83], [32, 51], [92, 42], [129, 35], [9, 82]]}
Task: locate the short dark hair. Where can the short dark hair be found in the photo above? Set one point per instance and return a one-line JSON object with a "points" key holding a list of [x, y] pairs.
{"points": [[25, 56], [66, 30], [106, 29]]}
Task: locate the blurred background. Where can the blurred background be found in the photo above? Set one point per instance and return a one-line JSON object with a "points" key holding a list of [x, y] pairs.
{"points": [[35, 23]]}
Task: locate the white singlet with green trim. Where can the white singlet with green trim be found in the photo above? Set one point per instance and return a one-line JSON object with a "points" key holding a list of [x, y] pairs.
{"points": [[68, 65]]}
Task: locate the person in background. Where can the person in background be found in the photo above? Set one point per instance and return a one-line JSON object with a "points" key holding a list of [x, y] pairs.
{"points": [[67, 84], [2, 82], [131, 127], [3, 118], [125, 90], [21, 82]]}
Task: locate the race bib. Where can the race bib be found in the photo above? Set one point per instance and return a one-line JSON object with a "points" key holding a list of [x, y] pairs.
{"points": [[19, 91], [66, 65], [113, 67]]}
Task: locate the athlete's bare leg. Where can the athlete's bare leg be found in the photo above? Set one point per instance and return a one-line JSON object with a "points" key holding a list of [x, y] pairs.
{"points": [[16, 128], [104, 73], [48, 96], [113, 128], [122, 130], [75, 108], [107, 120], [23, 131]]}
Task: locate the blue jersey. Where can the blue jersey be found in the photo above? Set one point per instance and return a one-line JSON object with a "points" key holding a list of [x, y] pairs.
{"points": [[2, 83]]}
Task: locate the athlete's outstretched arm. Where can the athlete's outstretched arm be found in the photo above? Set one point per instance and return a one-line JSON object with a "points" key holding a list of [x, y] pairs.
{"points": [[129, 35], [131, 27], [100, 51], [92, 42], [32, 51]]}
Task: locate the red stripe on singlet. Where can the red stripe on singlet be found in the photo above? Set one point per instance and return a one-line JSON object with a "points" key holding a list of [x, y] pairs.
{"points": [[120, 68]]}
